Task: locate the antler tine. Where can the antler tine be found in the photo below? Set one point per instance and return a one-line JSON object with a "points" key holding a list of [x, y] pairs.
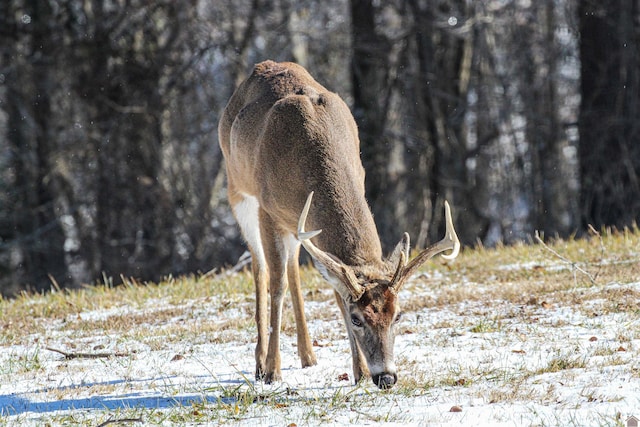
{"points": [[306, 235], [450, 234], [397, 275], [347, 289], [449, 242]]}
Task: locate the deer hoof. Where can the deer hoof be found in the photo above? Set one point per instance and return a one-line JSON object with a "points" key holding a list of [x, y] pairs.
{"points": [[272, 377]]}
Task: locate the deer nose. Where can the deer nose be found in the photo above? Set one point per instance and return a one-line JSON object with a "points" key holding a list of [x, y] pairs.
{"points": [[384, 380]]}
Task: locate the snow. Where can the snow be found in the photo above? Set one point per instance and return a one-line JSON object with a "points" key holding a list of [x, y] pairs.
{"points": [[500, 375]]}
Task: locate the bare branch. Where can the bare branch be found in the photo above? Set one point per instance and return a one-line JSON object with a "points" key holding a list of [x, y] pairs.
{"points": [[120, 421], [573, 264], [70, 356]]}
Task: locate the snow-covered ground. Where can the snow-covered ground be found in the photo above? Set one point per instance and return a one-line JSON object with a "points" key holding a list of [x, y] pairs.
{"points": [[489, 363]]}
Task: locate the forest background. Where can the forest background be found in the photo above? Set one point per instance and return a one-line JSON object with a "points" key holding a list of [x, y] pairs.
{"points": [[524, 114]]}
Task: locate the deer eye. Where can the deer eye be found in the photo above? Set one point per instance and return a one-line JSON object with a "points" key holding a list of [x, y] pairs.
{"points": [[398, 317], [355, 320]]}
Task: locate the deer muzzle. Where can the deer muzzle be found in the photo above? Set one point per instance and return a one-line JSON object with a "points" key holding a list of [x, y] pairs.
{"points": [[385, 380]]}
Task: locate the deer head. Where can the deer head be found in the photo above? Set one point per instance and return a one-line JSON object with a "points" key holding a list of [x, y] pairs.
{"points": [[370, 294]]}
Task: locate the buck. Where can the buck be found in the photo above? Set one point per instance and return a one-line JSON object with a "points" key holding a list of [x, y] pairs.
{"points": [[292, 158]]}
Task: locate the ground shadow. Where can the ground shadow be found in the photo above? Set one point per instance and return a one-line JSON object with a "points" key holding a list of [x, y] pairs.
{"points": [[19, 403], [207, 390]]}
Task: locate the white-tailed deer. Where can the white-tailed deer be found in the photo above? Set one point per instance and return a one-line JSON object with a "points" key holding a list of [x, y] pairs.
{"points": [[286, 139]]}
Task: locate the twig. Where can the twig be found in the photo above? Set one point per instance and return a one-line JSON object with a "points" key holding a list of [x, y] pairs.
{"points": [[120, 421], [70, 356], [602, 249], [244, 260], [573, 264]]}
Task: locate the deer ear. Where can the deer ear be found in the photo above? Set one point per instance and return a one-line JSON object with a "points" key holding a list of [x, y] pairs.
{"points": [[402, 247], [341, 278], [329, 271]]}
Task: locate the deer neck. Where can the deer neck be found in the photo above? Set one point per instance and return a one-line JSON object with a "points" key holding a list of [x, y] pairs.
{"points": [[349, 232]]}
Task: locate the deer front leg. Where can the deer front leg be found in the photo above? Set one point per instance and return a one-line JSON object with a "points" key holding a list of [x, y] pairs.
{"points": [[275, 253], [305, 349], [360, 369], [277, 289]]}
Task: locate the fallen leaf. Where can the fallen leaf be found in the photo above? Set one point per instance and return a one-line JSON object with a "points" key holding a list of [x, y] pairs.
{"points": [[518, 351], [545, 304]]}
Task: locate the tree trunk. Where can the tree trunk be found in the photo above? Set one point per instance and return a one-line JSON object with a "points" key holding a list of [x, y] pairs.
{"points": [[370, 70], [609, 152], [39, 238]]}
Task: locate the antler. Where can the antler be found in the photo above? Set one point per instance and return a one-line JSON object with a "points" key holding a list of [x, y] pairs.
{"points": [[449, 242], [347, 285]]}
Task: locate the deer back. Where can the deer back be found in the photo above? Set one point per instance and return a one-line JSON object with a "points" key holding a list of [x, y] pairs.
{"points": [[288, 136]]}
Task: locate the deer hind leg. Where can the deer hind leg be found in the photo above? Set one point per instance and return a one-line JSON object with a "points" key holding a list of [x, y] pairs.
{"points": [[305, 349], [261, 278], [246, 210], [359, 362]]}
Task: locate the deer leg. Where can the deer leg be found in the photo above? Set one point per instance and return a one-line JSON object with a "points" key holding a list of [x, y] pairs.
{"points": [[246, 211], [358, 360], [275, 252], [305, 349], [261, 278]]}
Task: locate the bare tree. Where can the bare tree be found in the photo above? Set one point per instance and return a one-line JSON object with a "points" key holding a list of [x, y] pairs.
{"points": [[31, 221], [370, 82], [610, 112], [108, 156]]}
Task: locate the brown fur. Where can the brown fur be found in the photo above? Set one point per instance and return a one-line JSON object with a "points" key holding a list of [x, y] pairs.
{"points": [[378, 306]]}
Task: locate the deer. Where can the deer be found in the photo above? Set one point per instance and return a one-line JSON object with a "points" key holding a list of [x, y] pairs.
{"points": [[292, 159]]}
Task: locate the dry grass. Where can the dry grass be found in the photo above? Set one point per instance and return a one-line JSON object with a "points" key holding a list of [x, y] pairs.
{"points": [[593, 277], [527, 275], [536, 275]]}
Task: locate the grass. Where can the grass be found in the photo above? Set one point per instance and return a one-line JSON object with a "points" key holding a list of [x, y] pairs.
{"points": [[497, 299]]}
